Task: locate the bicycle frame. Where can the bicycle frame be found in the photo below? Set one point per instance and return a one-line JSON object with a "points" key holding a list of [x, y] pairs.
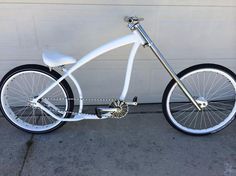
{"points": [[138, 37], [134, 38]]}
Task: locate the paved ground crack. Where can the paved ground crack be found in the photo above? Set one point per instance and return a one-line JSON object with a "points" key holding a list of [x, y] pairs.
{"points": [[28, 144]]}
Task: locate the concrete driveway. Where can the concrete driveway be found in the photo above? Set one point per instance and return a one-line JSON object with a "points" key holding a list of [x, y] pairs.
{"points": [[141, 144]]}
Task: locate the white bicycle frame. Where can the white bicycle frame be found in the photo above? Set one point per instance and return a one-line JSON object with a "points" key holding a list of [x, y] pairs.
{"points": [[134, 38], [138, 37]]}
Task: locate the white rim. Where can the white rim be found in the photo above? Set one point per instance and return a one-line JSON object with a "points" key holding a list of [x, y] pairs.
{"points": [[19, 122], [207, 130]]}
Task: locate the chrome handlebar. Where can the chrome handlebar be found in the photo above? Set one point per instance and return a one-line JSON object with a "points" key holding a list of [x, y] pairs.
{"points": [[132, 19]]}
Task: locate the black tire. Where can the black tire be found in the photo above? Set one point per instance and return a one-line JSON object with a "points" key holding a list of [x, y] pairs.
{"points": [[183, 74], [44, 70]]}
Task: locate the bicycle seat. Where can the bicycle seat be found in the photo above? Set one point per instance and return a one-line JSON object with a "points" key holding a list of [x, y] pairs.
{"points": [[54, 59]]}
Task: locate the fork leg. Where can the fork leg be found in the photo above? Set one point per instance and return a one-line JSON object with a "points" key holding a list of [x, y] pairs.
{"points": [[158, 54], [173, 75]]}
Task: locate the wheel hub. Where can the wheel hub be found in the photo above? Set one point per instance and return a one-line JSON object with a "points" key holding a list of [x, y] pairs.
{"points": [[202, 102]]}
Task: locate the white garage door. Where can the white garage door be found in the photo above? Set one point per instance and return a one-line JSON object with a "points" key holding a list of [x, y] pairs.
{"points": [[186, 32]]}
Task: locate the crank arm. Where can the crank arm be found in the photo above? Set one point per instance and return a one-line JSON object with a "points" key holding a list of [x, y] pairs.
{"points": [[107, 109], [132, 103]]}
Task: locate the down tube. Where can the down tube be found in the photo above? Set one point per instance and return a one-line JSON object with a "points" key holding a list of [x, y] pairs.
{"points": [[129, 70]]}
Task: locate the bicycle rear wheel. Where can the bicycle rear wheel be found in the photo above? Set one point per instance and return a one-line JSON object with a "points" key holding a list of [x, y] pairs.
{"points": [[21, 85], [213, 87]]}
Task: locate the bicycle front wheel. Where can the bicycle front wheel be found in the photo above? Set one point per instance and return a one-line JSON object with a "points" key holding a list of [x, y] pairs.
{"points": [[213, 87], [21, 85]]}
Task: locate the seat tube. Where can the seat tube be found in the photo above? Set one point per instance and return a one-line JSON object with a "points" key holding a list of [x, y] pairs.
{"points": [[129, 70], [163, 61]]}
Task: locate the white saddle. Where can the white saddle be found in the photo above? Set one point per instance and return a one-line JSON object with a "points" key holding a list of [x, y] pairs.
{"points": [[53, 59]]}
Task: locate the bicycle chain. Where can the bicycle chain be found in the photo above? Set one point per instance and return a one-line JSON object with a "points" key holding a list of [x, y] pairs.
{"points": [[84, 99], [78, 99]]}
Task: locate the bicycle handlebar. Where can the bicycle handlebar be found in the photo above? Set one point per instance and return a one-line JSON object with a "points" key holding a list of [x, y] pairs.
{"points": [[132, 19]]}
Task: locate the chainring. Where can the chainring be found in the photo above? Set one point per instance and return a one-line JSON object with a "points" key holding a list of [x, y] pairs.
{"points": [[122, 109]]}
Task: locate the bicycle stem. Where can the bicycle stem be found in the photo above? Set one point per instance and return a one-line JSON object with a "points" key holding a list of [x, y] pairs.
{"points": [[163, 61]]}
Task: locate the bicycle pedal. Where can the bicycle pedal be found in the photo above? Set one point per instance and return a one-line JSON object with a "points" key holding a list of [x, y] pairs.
{"points": [[134, 103], [104, 111]]}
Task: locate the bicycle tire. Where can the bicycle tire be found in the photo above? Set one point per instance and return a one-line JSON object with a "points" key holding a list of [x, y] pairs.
{"points": [[38, 74], [218, 104]]}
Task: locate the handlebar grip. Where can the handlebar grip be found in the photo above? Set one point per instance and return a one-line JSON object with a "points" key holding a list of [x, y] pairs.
{"points": [[140, 19]]}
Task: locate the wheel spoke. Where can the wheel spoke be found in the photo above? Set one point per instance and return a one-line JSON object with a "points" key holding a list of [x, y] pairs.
{"points": [[212, 83], [182, 112], [187, 116], [193, 118], [180, 106], [217, 90]]}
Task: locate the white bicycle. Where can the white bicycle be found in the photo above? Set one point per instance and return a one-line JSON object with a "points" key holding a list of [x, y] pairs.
{"points": [[199, 100]]}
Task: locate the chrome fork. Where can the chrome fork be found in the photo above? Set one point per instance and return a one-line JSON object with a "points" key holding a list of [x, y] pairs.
{"points": [[133, 24]]}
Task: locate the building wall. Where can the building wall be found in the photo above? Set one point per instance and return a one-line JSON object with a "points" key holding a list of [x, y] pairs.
{"points": [[187, 33]]}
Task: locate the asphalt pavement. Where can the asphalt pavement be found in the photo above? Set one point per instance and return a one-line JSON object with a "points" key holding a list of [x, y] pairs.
{"points": [[141, 144]]}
